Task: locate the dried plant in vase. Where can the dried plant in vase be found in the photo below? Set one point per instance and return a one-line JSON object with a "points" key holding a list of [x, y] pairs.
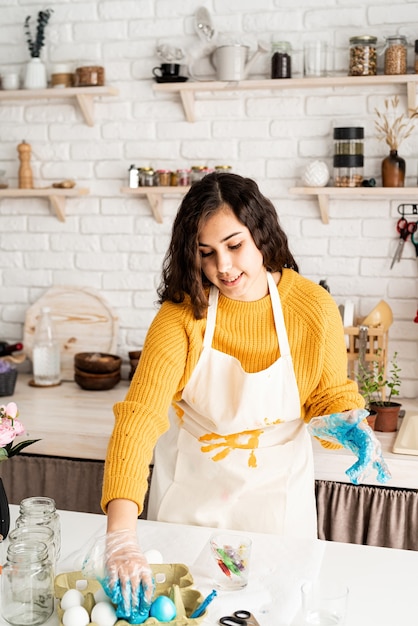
{"points": [[35, 45], [393, 128]]}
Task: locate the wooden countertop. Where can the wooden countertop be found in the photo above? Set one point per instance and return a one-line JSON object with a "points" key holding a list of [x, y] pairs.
{"points": [[70, 421], [75, 423]]}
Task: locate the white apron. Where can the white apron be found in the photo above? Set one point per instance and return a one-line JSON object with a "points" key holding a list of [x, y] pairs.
{"points": [[240, 457]]}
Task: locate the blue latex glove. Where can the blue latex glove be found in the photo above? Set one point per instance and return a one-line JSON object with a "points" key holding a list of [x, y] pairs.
{"points": [[350, 430]]}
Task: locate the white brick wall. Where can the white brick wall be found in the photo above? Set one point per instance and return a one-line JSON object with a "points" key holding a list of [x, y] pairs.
{"points": [[110, 242]]}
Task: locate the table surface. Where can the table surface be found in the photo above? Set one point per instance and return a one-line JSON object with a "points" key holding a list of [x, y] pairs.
{"points": [[75, 423], [381, 581]]}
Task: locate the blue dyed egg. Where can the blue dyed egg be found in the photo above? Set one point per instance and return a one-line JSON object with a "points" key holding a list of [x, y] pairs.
{"points": [[163, 609]]}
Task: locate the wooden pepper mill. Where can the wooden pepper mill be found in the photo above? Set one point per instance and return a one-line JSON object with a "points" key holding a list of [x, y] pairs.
{"points": [[25, 172]]}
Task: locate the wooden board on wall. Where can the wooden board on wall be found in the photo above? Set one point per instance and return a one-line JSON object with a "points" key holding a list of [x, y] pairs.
{"points": [[83, 322]]}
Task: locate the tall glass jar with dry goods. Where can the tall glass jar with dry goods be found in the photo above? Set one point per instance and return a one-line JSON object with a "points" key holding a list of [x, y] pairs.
{"points": [[27, 584], [395, 55], [348, 156], [363, 56]]}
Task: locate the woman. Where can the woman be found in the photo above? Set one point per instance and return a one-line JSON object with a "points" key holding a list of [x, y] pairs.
{"points": [[247, 350]]}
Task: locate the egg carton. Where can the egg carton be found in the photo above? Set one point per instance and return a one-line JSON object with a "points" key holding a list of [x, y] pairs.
{"points": [[171, 579]]}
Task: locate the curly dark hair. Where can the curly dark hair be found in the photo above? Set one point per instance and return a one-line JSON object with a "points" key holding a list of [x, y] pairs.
{"points": [[182, 273]]}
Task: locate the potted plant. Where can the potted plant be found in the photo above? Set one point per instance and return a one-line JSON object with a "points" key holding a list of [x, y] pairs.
{"points": [[373, 385], [35, 75]]}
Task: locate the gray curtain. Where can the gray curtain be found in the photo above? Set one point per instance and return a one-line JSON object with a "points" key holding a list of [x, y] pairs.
{"points": [[374, 516]]}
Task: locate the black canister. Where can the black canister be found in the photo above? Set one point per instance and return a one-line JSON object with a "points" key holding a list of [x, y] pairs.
{"points": [[281, 60]]}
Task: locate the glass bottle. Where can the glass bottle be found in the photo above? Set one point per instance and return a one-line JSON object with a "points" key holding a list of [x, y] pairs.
{"points": [[46, 352], [27, 584], [395, 55], [133, 177], [281, 60], [363, 56], [41, 511]]}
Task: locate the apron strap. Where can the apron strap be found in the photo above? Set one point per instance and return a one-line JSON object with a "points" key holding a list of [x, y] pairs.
{"points": [[211, 317]]}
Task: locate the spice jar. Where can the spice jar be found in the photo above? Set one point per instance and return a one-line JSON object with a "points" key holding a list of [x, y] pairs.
{"points": [[198, 172], [41, 511], [163, 177], [348, 156], [223, 168], [395, 55], [363, 56], [281, 61], [27, 584], [146, 177], [183, 177]]}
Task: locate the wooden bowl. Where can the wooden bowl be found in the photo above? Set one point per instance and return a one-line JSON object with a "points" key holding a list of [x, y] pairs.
{"points": [[97, 362], [96, 382]]}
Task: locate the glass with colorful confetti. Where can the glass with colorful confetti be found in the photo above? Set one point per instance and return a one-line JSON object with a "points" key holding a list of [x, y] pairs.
{"points": [[231, 558]]}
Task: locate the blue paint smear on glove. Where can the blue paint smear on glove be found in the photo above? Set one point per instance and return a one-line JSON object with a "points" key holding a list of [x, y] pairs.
{"points": [[349, 430], [135, 613]]}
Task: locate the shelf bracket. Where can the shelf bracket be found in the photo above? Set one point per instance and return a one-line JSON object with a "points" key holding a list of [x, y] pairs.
{"points": [[156, 204], [323, 201], [58, 204], [86, 104], [188, 101]]}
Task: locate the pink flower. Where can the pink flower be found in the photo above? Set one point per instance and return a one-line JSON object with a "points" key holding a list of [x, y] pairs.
{"points": [[11, 410], [7, 432], [11, 427]]}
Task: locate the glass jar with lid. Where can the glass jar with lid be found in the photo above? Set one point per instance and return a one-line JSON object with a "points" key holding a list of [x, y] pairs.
{"points": [[281, 60], [395, 55], [348, 156], [198, 172], [363, 56], [146, 177], [27, 584]]}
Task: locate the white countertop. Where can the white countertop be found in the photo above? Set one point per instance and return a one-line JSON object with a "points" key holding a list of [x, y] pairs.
{"points": [[381, 581], [72, 422]]}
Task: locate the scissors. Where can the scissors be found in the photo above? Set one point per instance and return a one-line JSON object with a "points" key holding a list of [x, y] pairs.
{"points": [[404, 229], [239, 618]]}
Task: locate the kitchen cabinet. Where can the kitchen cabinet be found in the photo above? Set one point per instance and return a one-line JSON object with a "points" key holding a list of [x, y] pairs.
{"points": [[188, 90], [83, 96], [55, 196], [155, 196], [324, 194]]}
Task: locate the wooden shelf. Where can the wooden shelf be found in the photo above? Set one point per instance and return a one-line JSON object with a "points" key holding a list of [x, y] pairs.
{"points": [[84, 97], [325, 193], [155, 196], [55, 196], [188, 90]]}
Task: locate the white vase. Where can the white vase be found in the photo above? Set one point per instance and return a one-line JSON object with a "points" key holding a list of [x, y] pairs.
{"points": [[35, 75]]}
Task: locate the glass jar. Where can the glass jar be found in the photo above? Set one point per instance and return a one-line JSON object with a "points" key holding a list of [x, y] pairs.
{"points": [[363, 56], [183, 177], [44, 534], [348, 156], [146, 177], [395, 55], [163, 178], [41, 511], [198, 172], [223, 168], [27, 584], [281, 60]]}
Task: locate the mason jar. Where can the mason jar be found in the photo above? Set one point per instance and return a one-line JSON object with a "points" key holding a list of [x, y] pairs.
{"points": [[41, 511], [363, 56], [27, 584], [44, 534], [395, 55], [146, 177], [198, 172], [348, 156]]}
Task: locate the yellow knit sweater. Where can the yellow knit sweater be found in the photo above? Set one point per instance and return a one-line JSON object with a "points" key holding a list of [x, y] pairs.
{"points": [[246, 331]]}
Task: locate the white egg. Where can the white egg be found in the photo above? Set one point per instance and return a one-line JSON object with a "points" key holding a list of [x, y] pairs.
{"points": [[76, 616], [103, 614], [153, 556], [101, 596], [72, 597]]}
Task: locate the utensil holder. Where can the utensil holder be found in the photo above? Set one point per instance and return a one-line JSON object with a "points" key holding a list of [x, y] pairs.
{"points": [[8, 382]]}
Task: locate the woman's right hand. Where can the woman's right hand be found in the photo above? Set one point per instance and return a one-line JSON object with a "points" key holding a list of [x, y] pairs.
{"points": [[127, 567]]}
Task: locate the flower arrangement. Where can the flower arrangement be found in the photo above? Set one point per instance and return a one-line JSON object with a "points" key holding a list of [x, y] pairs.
{"points": [[36, 44], [10, 428], [393, 128]]}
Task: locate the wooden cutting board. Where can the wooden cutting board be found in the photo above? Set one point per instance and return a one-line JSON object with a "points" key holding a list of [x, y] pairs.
{"points": [[83, 322]]}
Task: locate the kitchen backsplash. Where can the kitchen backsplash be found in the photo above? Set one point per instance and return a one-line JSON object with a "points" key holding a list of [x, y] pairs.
{"points": [[110, 241]]}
